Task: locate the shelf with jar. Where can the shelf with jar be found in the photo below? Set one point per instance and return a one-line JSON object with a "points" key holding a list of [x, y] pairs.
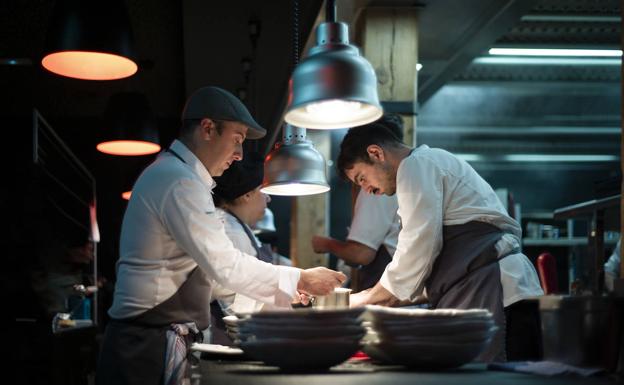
{"points": [[541, 229]]}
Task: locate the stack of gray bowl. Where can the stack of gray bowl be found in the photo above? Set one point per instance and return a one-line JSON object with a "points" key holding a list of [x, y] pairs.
{"points": [[302, 340], [428, 339]]}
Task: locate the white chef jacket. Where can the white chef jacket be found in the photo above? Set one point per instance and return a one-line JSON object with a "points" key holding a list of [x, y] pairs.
{"points": [[436, 189], [170, 227], [231, 302], [375, 221]]}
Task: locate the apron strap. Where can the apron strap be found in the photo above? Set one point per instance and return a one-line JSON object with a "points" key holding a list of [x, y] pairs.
{"points": [[261, 252], [369, 275]]}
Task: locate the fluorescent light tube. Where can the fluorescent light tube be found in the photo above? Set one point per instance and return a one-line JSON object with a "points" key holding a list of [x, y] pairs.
{"points": [[555, 52]]}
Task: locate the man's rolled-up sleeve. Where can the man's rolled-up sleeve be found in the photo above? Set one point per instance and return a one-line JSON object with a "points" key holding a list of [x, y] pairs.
{"points": [[420, 195]]}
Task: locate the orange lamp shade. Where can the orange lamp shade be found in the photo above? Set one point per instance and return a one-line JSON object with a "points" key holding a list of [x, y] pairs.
{"points": [[89, 65], [126, 195], [128, 147], [130, 127], [90, 40]]}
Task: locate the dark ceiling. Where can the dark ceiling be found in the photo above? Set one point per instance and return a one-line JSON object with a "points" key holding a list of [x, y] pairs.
{"points": [[185, 45], [494, 108]]}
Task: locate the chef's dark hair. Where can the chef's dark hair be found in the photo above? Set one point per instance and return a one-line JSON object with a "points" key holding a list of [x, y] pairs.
{"points": [[386, 131]]}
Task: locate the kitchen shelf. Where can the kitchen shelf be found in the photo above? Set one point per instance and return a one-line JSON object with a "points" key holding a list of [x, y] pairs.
{"points": [[576, 241], [596, 211]]}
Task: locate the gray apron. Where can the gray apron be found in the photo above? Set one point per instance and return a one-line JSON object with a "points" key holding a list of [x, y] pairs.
{"points": [[263, 253], [369, 275], [134, 349], [217, 326], [466, 274]]}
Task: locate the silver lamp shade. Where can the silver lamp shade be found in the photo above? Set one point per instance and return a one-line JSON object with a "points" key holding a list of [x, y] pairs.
{"points": [[333, 87], [294, 167]]}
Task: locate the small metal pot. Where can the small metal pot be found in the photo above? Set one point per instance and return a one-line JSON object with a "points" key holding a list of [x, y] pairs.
{"points": [[339, 299], [581, 330]]}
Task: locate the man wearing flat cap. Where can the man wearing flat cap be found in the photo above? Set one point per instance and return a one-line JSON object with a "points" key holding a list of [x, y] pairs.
{"points": [[173, 250]]}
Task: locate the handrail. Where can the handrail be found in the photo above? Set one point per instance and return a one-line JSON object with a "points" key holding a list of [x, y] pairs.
{"points": [[595, 210], [586, 208]]}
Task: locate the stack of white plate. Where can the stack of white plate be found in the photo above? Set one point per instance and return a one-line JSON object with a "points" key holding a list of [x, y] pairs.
{"points": [[303, 339], [232, 323], [428, 339]]}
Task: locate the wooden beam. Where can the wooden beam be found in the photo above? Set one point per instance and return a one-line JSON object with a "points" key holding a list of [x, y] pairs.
{"points": [[389, 40], [494, 21]]}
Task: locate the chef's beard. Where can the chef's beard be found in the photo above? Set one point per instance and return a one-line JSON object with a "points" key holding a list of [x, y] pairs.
{"points": [[389, 179]]}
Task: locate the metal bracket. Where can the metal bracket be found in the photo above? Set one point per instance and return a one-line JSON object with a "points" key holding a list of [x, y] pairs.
{"points": [[401, 107]]}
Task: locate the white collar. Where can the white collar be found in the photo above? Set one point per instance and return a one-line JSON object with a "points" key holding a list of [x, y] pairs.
{"points": [[193, 161]]}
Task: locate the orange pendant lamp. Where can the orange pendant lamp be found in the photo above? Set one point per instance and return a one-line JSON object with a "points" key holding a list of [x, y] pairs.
{"points": [[129, 126], [90, 40]]}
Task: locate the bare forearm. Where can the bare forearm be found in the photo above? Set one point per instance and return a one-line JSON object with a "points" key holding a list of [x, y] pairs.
{"points": [[380, 296], [421, 299], [351, 252], [377, 295]]}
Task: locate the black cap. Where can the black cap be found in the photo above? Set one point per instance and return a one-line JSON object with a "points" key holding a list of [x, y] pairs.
{"points": [[219, 104], [240, 178]]}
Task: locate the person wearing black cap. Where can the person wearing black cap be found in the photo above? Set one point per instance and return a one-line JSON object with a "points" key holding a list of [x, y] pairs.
{"points": [[241, 203], [173, 249]]}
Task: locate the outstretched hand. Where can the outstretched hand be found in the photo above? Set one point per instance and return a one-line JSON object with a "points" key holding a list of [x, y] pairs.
{"points": [[319, 281]]}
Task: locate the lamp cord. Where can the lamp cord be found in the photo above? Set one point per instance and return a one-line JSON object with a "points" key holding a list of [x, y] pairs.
{"points": [[330, 11], [296, 32]]}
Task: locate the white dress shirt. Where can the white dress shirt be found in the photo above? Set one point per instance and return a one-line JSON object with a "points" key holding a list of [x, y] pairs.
{"points": [[375, 221], [436, 189], [170, 227]]}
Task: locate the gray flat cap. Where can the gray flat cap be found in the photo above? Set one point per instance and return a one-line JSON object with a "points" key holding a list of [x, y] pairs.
{"points": [[219, 104]]}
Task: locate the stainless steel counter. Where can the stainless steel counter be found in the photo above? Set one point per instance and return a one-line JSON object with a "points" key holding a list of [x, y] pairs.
{"points": [[365, 373]]}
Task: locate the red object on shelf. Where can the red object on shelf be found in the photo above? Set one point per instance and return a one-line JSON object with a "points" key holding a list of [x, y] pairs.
{"points": [[547, 270], [360, 356]]}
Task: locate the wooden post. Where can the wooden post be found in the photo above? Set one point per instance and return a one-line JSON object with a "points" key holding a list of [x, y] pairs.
{"points": [[310, 214], [389, 40]]}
